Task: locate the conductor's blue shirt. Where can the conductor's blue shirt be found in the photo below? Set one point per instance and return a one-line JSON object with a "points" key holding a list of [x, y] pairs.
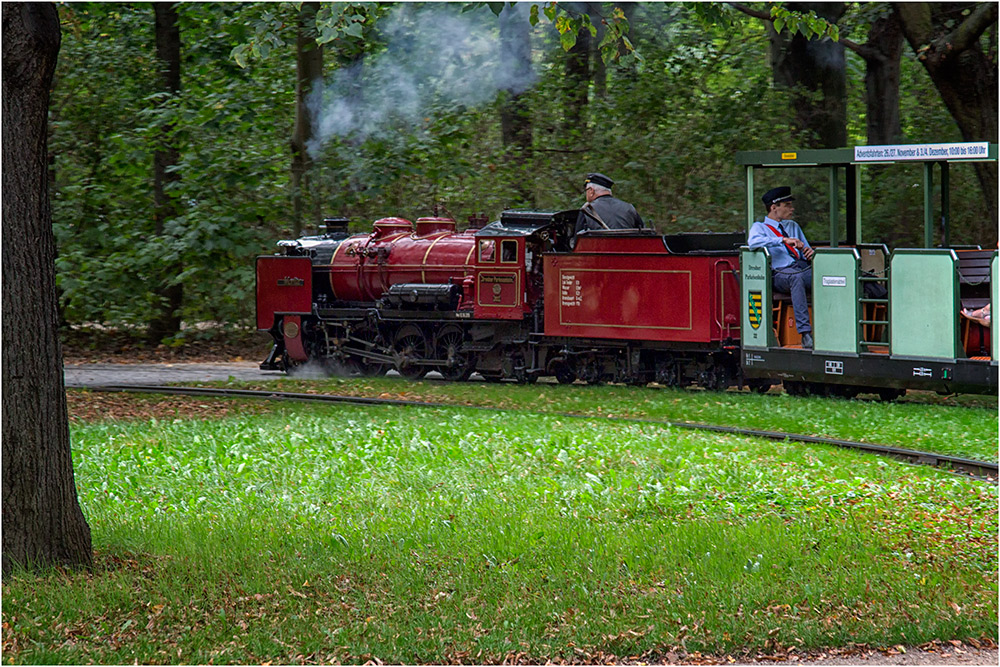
{"points": [[762, 237]]}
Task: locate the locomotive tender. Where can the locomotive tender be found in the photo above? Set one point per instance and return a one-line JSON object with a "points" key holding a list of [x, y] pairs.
{"points": [[515, 300]]}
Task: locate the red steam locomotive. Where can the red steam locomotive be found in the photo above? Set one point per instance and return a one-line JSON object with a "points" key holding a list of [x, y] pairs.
{"points": [[510, 300]]}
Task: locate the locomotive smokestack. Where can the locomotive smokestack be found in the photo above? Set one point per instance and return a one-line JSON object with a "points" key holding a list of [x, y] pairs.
{"points": [[336, 225], [478, 221]]}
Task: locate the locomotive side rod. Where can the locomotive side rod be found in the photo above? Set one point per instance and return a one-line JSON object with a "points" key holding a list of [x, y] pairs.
{"points": [[985, 470]]}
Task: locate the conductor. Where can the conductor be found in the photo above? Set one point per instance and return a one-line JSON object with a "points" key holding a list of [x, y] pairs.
{"points": [[791, 254]]}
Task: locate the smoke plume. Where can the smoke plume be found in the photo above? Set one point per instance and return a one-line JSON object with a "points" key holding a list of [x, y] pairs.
{"points": [[434, 57]]}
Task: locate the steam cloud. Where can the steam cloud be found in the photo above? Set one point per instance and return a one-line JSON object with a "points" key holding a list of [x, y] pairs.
{"points": [[434, 56]]}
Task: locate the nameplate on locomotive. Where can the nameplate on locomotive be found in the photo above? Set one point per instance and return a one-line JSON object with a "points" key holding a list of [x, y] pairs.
{"points": [[498, 290]]}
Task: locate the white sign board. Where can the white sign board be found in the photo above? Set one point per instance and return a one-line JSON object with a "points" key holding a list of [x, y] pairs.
{"points": [[958, 151]]}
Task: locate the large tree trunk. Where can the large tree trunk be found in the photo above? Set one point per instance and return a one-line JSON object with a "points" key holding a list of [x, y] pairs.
{"points": [[600, 69], [166, 321], [42, 520], [515, 116], [946, 41], [576, 84], [815, 72], [882, 53], [308, 70]]}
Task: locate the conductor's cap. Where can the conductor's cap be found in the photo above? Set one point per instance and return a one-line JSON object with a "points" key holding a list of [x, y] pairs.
{"points": [[600, 179], [777, 195]]}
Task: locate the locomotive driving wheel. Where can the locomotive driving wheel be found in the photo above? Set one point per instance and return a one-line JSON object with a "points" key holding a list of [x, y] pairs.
{"points": [[410, 346], [447, 346], [368, 338]]}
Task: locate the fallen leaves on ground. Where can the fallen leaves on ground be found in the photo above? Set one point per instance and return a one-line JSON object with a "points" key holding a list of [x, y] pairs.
{"points": [[90, 406]]}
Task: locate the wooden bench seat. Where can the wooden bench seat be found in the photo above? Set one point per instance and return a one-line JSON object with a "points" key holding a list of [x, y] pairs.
{"points": [[974, 276], [783, 319], [974, 266]]}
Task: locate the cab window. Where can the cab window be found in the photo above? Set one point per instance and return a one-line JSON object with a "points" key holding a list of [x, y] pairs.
{"points": [[508, 251], [486, 250]]}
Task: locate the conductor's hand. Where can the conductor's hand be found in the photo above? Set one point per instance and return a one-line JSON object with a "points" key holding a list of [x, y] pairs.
{"points": [[807, 252]]}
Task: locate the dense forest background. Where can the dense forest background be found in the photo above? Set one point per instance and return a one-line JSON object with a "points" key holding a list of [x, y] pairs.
{"points": [[186, 139]]}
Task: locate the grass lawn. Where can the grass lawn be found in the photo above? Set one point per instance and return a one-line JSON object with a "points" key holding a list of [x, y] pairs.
{"points": [[958, 425], [326, 534]]}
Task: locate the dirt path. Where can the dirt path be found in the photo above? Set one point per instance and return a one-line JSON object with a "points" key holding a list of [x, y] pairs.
{"points": [[944, 654], [89, 375]]}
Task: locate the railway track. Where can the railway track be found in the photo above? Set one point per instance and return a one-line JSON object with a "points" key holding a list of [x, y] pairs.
{"points": [[985, 470]]}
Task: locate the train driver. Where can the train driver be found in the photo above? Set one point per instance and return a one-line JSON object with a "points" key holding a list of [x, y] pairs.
{"points": [[791, 253], [602, 211]]}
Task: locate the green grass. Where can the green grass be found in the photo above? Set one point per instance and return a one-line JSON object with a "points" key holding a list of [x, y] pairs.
{"points": [[411, 535], [964, 426]]}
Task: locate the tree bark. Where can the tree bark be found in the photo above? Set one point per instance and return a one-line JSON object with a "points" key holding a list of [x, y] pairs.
{"points": [[600, 69], [815, 71], [42, 520], [577, 84], [882, 53], [947, 43], [308, 70], [515, 116], [166, 321]]}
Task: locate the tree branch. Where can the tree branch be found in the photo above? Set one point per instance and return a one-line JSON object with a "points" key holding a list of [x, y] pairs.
{"points": [[969, 31], [750, 11], [916, 20], [862, 50]]}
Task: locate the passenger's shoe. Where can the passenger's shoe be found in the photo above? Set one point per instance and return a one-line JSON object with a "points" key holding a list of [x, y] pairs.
{"points": [[807, 341]]}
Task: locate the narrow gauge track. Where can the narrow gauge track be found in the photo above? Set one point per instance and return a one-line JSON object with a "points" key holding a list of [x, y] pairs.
{"points": [[979, 469]]}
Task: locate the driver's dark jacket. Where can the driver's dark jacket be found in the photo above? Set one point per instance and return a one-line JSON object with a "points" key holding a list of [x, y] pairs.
{"points": [[615, 213]]}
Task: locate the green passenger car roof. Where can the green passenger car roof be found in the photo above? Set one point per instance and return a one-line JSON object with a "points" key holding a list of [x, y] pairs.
{"points": [[845, 162]]}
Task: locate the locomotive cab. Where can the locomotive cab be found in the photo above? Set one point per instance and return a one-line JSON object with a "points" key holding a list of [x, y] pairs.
{"points": [[508, 261]]}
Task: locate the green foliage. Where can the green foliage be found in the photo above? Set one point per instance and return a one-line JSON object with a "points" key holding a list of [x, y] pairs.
{"points": [[664, 125], [614, 46], [805, 23], [344, 21], [106, 123], [273, 29]]}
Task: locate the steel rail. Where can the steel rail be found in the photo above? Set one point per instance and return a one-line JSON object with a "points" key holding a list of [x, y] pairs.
{"points": [[985, 470]]}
